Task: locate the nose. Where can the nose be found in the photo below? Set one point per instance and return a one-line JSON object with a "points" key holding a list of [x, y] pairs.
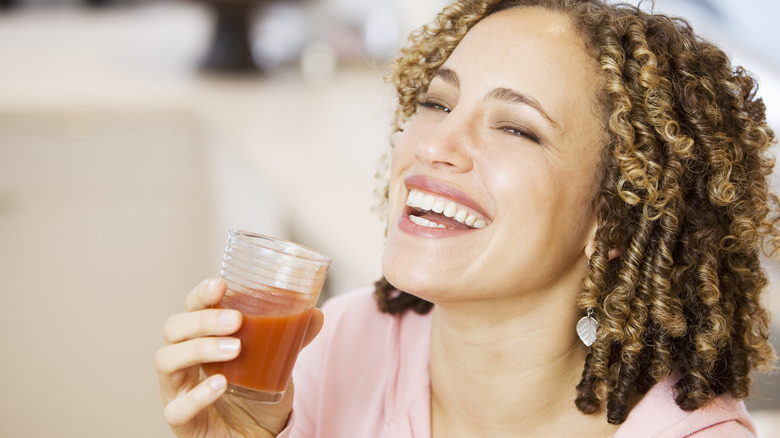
{"points": [[448, 145]]}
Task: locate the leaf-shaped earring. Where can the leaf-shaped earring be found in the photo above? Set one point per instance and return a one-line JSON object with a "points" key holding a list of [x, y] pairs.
{"points": [[586, 328]]}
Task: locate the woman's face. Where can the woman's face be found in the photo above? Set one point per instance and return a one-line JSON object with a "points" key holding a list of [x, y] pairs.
{"points": [[499, 165]]}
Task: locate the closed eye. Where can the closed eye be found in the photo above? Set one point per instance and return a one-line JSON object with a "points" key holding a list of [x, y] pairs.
{"points": [[520, 133], [434, 106]]}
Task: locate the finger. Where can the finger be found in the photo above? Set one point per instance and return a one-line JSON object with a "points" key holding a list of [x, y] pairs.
{"points": [[175, 364], [315, 325], [205, 294], [209, 322], [182, 410], [177, 357]]}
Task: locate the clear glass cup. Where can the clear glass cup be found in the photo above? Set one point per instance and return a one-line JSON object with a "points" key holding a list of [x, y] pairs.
{"points": [[275, 284]]}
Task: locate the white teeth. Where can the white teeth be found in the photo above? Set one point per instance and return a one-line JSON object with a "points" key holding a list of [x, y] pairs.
{"points": [[426, 203], [424, 222], [419, 200], [450, 209], [418, 197], [439, 205]]}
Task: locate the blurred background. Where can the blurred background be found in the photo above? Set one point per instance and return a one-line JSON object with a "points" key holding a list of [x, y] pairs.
{"points": [[134, 134]]}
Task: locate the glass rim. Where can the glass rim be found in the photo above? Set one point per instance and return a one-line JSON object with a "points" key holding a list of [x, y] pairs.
{"points": [[248, 238]]}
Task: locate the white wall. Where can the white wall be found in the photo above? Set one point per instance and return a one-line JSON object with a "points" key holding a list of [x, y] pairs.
{"points": [[121, 170]]}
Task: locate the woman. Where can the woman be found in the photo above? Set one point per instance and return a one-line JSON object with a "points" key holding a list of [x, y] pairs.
{"points": [[540, 143]]}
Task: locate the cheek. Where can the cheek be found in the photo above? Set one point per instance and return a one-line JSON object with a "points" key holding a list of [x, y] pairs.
{"points": [[402, 157], [539, 198], [521, 185], [406, 144], [396, 181], [571, 205], [398, 265]]}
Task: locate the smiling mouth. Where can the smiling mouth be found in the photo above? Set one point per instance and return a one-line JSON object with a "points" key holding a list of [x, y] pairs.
{"points": [[432, 211]]}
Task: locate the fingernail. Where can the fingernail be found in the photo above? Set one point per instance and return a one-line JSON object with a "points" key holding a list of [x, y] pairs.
{"points": [[212, 286], [229, 319], [229, 345], [217, 383]]}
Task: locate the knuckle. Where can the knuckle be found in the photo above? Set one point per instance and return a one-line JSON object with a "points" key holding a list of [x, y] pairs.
{"points": [[205, 348], [201, 286], [172, 416], [161, 361], [200, 396], [207, 321], [193, 297], [169, 330]]}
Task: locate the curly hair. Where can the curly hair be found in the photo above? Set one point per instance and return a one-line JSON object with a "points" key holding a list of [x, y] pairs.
{"points": [[683, 195]]}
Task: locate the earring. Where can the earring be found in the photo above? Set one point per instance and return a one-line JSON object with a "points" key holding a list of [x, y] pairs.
{"points": [[586, 328]]}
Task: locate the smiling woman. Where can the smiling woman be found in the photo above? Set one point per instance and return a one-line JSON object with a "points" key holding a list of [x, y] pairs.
{"points": [[577, 201], [671, 196], [486, 130]]}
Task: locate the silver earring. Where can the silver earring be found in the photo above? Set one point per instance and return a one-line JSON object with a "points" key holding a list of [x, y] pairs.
{"points": [[586, 328]]}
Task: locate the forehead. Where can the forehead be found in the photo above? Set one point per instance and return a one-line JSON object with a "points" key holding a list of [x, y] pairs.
{"points": [[533, 50]]}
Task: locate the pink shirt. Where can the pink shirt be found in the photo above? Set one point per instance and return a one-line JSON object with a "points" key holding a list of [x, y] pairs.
{"points": [[366, 376]]}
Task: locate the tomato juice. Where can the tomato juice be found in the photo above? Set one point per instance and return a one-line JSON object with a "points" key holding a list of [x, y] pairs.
{"points": [[271, 338]]}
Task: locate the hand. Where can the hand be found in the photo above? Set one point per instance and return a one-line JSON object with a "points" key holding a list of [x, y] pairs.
{"points": [[201, 334]]}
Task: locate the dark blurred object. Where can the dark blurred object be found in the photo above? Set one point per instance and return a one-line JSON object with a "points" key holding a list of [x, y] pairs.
{"points": [[231, 46], [98, 3], [7, 4]]}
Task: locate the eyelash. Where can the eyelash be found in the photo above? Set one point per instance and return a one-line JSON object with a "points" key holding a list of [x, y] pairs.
{"points": [[520, 133], [512, 130], [432, 105]]}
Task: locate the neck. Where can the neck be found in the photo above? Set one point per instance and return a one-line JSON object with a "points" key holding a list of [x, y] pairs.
{"points": [[500, 366]]}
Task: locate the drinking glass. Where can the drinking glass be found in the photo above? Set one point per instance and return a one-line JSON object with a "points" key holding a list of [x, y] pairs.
{"points": [[275, 284]]}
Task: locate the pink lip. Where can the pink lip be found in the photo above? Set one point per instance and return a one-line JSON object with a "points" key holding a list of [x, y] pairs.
{"points": [[436, 187], [443, 189], [406, 225]]}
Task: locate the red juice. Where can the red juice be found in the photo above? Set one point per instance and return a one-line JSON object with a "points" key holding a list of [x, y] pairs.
{"points": [[270, 342]]}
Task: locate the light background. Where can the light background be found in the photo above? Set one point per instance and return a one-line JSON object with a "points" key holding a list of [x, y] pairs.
{"points": [[122, 167]]}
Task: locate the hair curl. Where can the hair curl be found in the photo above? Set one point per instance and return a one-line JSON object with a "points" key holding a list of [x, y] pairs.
{"points": [[683, 194]]}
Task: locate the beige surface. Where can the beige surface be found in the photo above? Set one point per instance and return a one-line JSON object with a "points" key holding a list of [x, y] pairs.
{"points": [[121, 169], [96, 250]]}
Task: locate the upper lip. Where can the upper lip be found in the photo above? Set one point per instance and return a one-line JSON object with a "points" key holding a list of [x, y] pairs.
{"points": [[443, 189]]}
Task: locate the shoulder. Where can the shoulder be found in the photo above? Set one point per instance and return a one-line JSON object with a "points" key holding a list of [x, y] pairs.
{"points": [[726, 429], [356, 313], [353, 323], [362, 359], [359, 301], [354, 318], [341, 367], [657, 415]]}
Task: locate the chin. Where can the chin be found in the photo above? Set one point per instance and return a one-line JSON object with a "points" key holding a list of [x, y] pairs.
{"points": [[412, 277], [420, 266]]}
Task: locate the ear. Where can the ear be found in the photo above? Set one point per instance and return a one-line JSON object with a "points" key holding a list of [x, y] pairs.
{"points": [[590, 247]]}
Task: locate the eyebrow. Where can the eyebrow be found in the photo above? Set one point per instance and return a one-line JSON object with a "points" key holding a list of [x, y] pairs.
{"points": [[511, 96], [501, 94], [448, 76]]}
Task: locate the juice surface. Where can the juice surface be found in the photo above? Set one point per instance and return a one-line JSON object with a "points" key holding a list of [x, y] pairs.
{"points": [[269, 346]]}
